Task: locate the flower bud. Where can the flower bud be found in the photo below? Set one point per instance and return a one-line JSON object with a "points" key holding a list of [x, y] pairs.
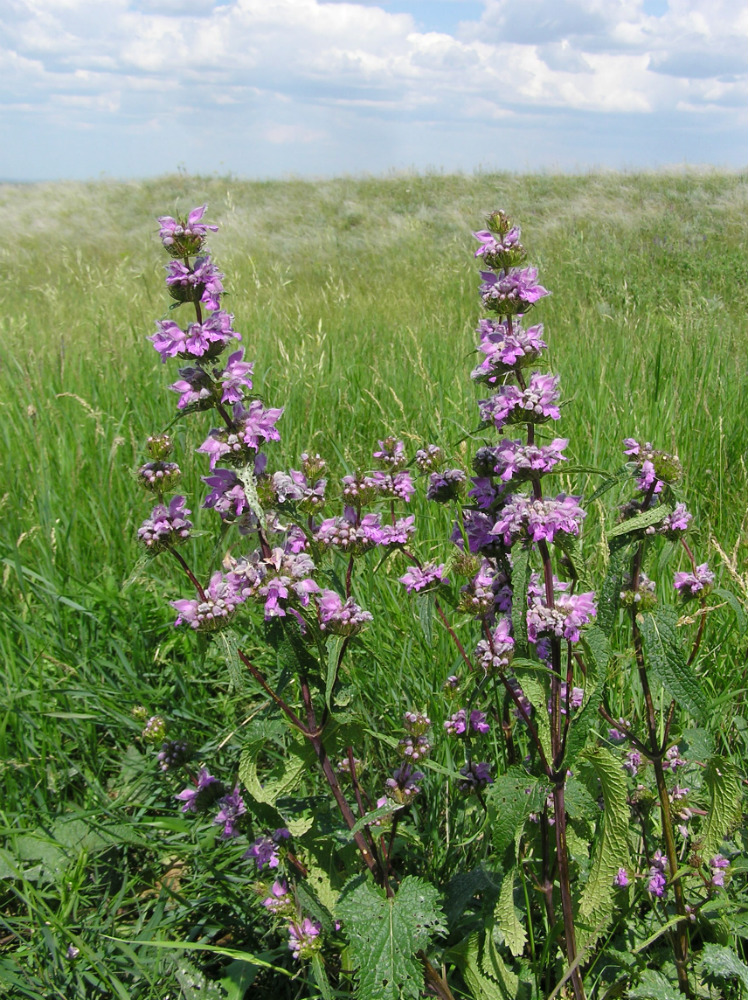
{"points": [[154, 730], [159, 446]]}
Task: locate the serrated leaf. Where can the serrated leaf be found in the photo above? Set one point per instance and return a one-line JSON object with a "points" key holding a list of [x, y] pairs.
{"points": [[696, 744], [467, 957], [611, 848], [311, 904], [609, 596], [535, 692], [641, 521], [725, 792], [238, 977], [334, 646], [505, 916], [367, 819], [194, 985], [654, 986], [320, 978], [665, 657], [385, 935], [597, 650], [294, 769], [230, 642], [319, 882], [520, 580], [425, 604], [579, 803], [722, 963], [511, 798], [464, 886]]}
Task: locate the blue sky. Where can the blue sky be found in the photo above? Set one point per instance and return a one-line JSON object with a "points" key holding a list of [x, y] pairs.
{"points": [[274, 88]]}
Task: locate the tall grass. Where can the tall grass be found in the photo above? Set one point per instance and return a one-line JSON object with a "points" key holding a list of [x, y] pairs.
{"points": [[357, 297]]}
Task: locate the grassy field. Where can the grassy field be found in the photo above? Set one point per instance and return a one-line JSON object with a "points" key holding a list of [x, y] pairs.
{"points": [[357, 298]]}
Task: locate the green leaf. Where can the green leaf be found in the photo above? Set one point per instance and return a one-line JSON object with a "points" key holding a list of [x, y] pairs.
{"points": [[719, 962], [609, 596], [320, 978], [194, 985], [385, 935], [644, 520], [608, 484], [664, 653], [509, 805], [597, 650], [334, 646], [464, 886], [611, 849], [725, 791], [294, 769], [367, 819], [505, 916], [736, 606], [230, 642], [520, 580], [238, 977], [536, 693], [654, 986], [425, 603], [469, 958]]}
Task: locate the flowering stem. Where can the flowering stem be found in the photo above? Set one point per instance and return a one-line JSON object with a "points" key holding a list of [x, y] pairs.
{"points": [[655, 753], [188, 571], [312, 733], [562, 860], [286, 709], [450, 630]]}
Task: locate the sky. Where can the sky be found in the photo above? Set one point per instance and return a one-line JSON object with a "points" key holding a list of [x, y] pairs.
{"points": [[320, 88]]}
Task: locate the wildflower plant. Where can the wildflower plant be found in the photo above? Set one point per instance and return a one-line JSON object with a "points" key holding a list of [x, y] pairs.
{"points": [[575, 818]]}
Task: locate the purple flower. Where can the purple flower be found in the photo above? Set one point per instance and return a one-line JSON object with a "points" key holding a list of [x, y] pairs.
{"points": [[496, 653], [429, 457], [539, 520], [458, 723], [514, 291], [672, 759], [689, 585], [632, 762], [338, 617], [621, 880], [492, 243], [564, 621], [404, 783], [212, 613], [231, 808], [475, 776], [184, 236], [657, 881], [264, 850], [303, 938], [536, 403], [515, 460], [445, 486], [235, 377], [391, 454], [166, 526], [279, 899], [718, 864], [195, 386], [199, 283], [675, 522], [506, 350], [159, 476], [419, 577], [227, 496], [205, 792], [200, 340]]}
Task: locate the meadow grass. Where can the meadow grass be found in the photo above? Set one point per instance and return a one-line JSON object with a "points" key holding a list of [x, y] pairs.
{"points": [[357, 298]]}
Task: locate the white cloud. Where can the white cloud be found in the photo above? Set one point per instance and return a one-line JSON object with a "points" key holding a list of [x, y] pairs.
{"points": [[289, 69]]}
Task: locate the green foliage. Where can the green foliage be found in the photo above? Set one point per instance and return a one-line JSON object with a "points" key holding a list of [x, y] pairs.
{"points": [[663, 648], [386, 934], [511, 798], [718, 963], [611, 848], [508, 923], [725, 795]]}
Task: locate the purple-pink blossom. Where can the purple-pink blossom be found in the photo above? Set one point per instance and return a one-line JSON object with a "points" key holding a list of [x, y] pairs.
{"points": [[339, 617], [690, 584], [513, 291], [231, 808], [506, 350], [564, 620], [202, 795], [536, 403], [495, 653], [303, 938], [539, 520], [220, 603], [166, 526], [176, 231], [520, 461], [420, 577]]}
